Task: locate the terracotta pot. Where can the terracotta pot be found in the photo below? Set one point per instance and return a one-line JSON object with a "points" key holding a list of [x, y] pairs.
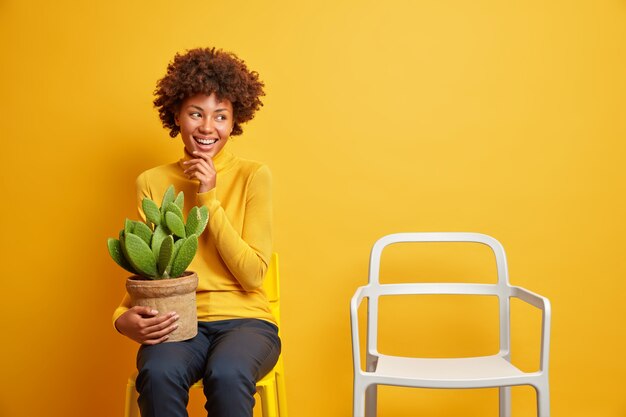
{"points": [[165, 295]]}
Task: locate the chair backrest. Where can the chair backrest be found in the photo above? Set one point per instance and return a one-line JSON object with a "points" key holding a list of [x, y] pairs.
{"points": [[271, 286], [501, 289], [496, 247]]}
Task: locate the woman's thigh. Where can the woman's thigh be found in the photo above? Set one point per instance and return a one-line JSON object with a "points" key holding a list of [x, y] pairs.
{"points": [[184, 360], [248, 347]]}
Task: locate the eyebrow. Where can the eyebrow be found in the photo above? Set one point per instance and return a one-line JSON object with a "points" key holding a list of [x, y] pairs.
{"points": [[201, 109]]}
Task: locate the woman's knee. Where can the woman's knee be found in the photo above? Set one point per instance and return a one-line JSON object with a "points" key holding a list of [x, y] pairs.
{"points": [[159, 372], [228, 376]]}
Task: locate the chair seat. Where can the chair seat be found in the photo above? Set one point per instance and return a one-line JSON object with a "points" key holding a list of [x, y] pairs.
{"points": [[446, 369]]}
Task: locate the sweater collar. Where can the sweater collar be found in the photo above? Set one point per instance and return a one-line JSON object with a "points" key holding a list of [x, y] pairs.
{"points": [[223, 160]]}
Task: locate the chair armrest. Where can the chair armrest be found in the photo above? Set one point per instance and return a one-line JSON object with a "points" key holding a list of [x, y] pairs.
{"points": [[355, 302], [543, 304], [530, 297]]}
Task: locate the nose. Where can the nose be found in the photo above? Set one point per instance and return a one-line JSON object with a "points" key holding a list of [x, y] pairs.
{"points": [[207, 125]]}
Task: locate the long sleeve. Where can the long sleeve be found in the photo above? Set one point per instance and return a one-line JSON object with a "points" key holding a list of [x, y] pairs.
{"points": [[246, 255]]}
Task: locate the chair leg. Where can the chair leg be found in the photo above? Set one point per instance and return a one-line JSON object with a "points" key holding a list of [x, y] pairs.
{"points": [[371, 400], [543, 401], [131, 408], [281, 395], [358, 400], [504, 394], [268, 400]]}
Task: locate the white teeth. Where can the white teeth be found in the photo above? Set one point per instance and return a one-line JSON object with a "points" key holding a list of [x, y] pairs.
{"points": [[206, 141]]}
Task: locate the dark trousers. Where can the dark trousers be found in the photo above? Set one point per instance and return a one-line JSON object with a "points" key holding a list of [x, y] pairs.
{"points": [[229, 356]]}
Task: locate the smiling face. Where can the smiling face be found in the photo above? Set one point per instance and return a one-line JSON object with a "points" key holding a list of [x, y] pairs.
{"points": [[205, 123]]}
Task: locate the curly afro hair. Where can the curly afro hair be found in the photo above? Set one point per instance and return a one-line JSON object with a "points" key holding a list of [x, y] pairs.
{"points": [[207, 71]]}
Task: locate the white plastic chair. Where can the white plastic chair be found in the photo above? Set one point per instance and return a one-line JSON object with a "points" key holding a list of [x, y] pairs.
{"points": [[473, 372]]}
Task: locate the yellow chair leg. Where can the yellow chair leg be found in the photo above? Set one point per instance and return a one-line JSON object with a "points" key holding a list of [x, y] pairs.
{"points": [[267, 392], [282, 394], [131, 409]]}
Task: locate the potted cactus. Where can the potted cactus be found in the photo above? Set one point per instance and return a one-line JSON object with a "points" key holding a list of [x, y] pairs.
{"points": [[158, 253]]}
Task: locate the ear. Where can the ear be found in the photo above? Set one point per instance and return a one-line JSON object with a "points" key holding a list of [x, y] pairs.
{"points": [[176, 120]]}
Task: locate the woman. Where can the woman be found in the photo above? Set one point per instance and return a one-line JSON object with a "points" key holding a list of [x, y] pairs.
{"points": [[205, 96]]}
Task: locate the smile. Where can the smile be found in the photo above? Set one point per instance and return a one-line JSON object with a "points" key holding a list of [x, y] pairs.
{"points": [[205, 141]]}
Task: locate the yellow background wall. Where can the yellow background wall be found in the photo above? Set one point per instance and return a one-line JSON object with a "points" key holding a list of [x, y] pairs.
{"points": [[502, 117]]}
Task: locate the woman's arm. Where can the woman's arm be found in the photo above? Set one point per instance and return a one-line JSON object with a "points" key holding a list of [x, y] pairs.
{"points": [[247, 255]]}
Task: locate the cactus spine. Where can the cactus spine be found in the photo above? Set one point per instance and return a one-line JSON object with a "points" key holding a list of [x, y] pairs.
{"points": [[165, 245]]}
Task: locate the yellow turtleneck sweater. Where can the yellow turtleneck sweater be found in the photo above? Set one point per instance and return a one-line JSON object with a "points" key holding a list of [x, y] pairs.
{"points": [[235, 249]]}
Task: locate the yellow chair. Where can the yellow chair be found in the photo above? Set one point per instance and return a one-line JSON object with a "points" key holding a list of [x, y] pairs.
{"points": [[271, 387]]}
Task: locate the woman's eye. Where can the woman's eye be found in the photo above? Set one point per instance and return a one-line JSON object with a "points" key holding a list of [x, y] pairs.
{"points": [[221, 117], [195, 115]]}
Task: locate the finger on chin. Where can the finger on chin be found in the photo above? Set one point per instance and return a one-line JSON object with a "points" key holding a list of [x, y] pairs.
{"points": [[202, 156]]}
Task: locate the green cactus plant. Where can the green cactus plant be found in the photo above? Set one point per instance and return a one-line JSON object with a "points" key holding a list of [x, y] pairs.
{"points": [[165, 245]]}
